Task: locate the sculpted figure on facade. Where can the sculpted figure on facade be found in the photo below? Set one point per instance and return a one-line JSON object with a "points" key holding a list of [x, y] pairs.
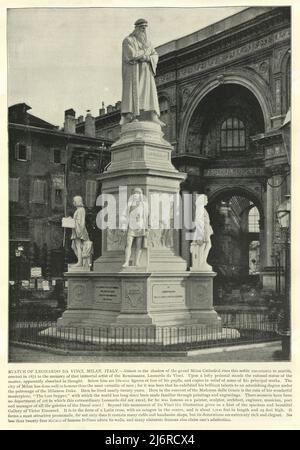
{"points": [[139, 61], [136, 219], [201, 243]]}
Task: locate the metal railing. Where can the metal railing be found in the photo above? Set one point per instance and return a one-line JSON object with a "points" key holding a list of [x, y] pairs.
{"points": [[236, 329]]}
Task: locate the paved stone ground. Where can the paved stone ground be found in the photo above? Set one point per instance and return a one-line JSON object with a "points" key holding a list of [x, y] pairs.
{"points": [[259, 354]]}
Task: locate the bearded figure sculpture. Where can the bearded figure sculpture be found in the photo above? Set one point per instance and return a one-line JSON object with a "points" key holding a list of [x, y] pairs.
{"points": [[139, 61]]}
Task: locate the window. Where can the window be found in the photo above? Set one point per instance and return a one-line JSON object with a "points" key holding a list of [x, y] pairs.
{"points": [[57, 190], [57, 155], [58, 197], [38, 191], [22, 152], [253, 220], [90, 193], [14, 189], [19, 228], [233, 136]]}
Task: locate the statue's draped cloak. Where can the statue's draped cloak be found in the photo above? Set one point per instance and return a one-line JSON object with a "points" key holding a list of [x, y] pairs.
{"points": [[80, 232], [139, 89]]}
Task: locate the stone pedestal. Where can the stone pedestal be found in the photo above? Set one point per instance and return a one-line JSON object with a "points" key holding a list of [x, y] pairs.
{"points": [[160, 291], [139, 300], [141, 158]]}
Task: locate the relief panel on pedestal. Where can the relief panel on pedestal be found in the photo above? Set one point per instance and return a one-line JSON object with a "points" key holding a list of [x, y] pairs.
{"points": [[116, 240], [200, 294], [134, 297], [78, 295], [160, 239]]}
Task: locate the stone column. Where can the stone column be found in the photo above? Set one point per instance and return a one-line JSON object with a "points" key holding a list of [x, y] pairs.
{"points": [[185, 244], [274, 197], [269, 224]]}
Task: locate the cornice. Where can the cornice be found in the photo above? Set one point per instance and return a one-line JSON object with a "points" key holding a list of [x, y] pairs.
{"points": [[252, 31], [59, 134]]}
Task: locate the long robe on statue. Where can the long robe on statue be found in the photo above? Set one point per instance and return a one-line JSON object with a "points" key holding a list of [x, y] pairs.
{"points": [[139, 88], [80, 231]]}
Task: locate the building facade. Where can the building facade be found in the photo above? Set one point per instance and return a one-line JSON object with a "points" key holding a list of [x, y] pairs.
{"points": [[47, 167], [224, 94], [226, 90]]}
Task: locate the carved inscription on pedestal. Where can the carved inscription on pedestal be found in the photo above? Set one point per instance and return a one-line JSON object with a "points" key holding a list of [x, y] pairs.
{"points": [[158, 154], [108, 294], [122, 155], [168, 294]]}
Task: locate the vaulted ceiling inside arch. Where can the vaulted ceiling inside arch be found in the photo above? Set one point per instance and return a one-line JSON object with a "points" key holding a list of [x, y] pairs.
{"points": [[227, 100]]}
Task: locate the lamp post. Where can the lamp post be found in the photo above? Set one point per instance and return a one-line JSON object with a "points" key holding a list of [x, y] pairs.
{"points": [[283, 216]]}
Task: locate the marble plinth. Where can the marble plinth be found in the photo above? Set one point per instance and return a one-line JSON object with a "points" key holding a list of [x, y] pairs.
{"points": [[139, 299]]}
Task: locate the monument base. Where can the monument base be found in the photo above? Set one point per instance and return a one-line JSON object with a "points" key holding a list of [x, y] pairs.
{"points": [[133, 299]]}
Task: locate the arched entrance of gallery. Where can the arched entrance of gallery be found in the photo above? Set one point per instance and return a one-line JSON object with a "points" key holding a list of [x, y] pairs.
{"points": [[236, 217], [223, 123], [222, 161]]}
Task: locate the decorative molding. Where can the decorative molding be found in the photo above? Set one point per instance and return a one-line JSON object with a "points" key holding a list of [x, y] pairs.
{"points": [[235, 172], [262, 68], [277, 88], [166, 78], [232, 55], [185, 93], [279, 54]]}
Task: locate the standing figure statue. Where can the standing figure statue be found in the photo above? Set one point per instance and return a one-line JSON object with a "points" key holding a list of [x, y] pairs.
{"points": [[139, 61], [81, 244], [201, 243], [137, 224]]}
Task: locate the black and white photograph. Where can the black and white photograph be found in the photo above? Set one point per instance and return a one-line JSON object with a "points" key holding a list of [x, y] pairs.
{"points": [[149, 184]]}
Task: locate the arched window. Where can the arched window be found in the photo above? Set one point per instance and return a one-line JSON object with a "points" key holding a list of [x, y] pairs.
{"points": [[253, 220], [233, 135]]}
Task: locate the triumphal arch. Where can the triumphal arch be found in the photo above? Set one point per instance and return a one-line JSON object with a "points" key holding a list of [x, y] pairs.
{"points": [[224, 94]]}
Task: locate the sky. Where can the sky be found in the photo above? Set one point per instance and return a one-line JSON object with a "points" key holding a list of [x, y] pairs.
{"points": [[61, 58]]}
